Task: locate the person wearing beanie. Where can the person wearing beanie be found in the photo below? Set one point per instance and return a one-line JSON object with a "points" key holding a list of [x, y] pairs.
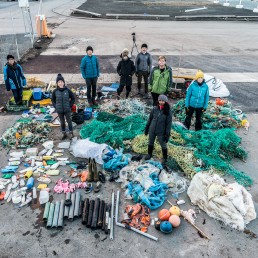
{"points": [[90, 73], [159, 125], [125, 69], [160, 80], [143, 65], [14, 79], [197, 98], [63, 100]]}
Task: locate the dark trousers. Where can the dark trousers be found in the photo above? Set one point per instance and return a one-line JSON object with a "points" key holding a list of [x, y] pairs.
{"points": [[155, 97], [198, 118], [161, 140], [91, 89], [121, 88], [67, 117], [17, 94], [145, 76]]}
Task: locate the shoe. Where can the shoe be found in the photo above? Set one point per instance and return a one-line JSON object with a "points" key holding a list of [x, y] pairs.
{"points": [[90, 176], [88, 188], [97, 187], [64, 136], [102, 177]]}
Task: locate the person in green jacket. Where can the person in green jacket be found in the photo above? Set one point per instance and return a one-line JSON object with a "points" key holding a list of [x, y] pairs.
{"points": [[160, 80]]}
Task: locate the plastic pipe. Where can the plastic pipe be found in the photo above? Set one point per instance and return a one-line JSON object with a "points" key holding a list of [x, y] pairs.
{"points": [[100, 217], [77, 205], [92, 203], [71, 210], [81, 208], [85, 212], [104, 216], [60, 223], [55, 219], [66, 209], [46, 211], [50, 215], [95, 214]]}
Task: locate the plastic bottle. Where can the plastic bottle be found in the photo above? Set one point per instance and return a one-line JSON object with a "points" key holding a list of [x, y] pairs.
{"points": [[30, 183], [43, 196]]}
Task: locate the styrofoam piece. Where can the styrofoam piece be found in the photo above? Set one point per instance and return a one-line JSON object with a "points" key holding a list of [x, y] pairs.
{"points": [[17, 154], [49, 152], [239, 6], [64, 145], [41, 153], [48, 145], [31, 152], [14, 159]]}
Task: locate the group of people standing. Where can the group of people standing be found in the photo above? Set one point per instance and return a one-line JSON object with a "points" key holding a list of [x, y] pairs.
{"points": [[157, 81]]}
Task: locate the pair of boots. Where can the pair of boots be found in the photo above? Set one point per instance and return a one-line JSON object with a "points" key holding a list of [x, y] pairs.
{"points": [[93, 171], [65, 136], [164, 154]]}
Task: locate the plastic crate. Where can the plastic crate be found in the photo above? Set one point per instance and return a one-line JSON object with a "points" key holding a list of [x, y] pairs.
{"points": [[37, 93], [87, 113]]}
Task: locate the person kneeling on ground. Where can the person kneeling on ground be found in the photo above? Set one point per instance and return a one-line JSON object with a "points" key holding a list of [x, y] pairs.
{"points": [[14, 79], [63, 100], [159, 125], [197, 98], [125, 69]]}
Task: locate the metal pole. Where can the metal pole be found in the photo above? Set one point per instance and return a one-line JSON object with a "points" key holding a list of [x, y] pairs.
{"points": [[112, 217]]}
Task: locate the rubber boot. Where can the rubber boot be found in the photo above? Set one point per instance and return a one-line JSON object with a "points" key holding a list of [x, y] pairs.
{"points": [[150, 151], [127, 94], [90, 176], [64, 136], [165, 156], [95, 171], [71, 135]]}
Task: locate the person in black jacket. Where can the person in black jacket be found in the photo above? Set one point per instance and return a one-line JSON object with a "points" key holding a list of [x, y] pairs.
{"points": [[62, 100], [125, 69], [159, 125]]}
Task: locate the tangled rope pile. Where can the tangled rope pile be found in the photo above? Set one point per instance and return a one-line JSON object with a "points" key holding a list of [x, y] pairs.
{"points": [[26, 133], [113, 130], [215, 117], [126, 107]]}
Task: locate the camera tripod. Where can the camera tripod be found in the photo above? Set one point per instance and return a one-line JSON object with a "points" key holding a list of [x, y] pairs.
{"points": [[134, 44]]}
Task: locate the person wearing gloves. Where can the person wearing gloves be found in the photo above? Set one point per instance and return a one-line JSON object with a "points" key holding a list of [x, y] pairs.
{"points": [[159, 125], [143, 65], [62, 100], [126, 70], [14, 79], [90, 73], [197, 98], [160, 80]]}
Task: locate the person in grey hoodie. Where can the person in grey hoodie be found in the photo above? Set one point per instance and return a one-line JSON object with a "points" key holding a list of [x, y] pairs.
{"points": [[159, 125], [143, 65], [62, 100]]}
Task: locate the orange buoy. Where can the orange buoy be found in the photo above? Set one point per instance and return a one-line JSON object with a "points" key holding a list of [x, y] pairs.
{"points": [[164, 214]]}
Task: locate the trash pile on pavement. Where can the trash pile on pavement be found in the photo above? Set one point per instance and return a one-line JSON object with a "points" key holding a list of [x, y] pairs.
{"points": [[201, 156]]}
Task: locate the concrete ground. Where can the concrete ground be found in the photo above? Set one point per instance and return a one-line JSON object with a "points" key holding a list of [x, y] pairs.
{"points": [[223, 50]]}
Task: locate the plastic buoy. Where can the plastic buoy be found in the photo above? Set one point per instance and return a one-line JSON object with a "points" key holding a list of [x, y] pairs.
{"points": [[164, 214], [166, 227], [174, 220], [174, 210]]}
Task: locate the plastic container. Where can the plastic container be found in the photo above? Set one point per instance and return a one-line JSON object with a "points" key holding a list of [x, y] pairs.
{"points": [[31, 152], [30, 183], [37, 93], [87, 113], [43, 196]]}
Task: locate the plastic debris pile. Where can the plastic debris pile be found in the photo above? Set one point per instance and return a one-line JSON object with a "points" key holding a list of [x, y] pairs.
{"points": [[126, 107], [216, 116], [25, 133], [113, 130]]}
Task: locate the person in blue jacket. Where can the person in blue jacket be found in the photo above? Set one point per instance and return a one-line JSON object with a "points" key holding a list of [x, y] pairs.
{"points": [[90, 72], [197, 98], [14, 79]]}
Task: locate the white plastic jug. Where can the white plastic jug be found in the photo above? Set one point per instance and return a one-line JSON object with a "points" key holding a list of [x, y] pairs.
{"points": [[43, 197]]}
